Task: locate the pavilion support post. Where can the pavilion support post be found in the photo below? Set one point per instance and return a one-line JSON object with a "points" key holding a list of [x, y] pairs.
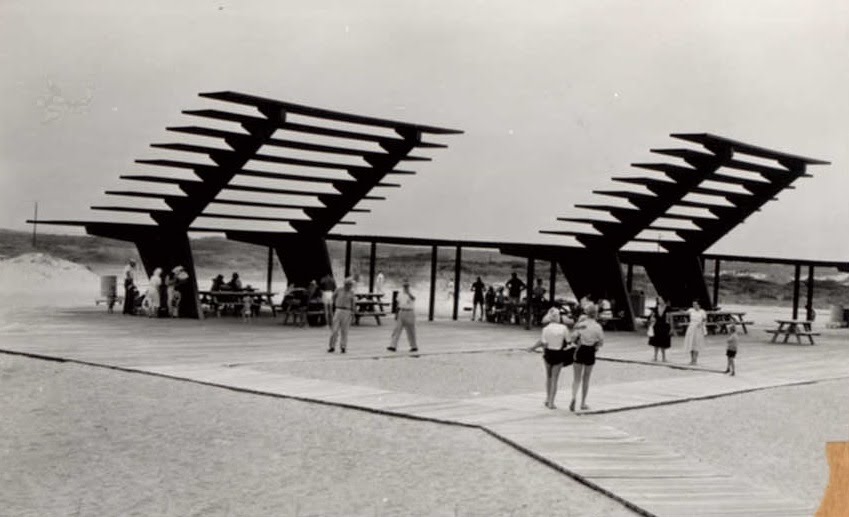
{"points": [[167, 250], [432, 300], [598, 274], [809, 306], [371, 260], [457, 259], [629, 279], [716, 263], [528, 290], [552, 281], [270, 269], [796, 277], [347, 258], [303, 257]]}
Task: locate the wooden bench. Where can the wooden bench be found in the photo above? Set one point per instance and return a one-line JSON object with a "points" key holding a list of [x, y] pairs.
{"points": [[369, 305]]}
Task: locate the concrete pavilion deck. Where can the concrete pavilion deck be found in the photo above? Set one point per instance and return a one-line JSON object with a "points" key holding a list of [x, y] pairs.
{"points": [[646, 477]]}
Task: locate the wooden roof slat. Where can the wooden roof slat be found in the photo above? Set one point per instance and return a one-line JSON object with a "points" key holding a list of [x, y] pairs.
{"points": [[213, 215], [744, 148], [304, 128], [265, 190], [130, 209], [289, 144], [153, 195], [160, 179], [261, 102], [259, 157]]}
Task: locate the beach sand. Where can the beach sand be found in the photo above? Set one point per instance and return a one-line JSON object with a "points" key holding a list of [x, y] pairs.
{"points": [[86, 441]]}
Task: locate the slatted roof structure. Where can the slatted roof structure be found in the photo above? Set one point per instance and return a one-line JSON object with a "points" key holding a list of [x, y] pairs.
{"points": [[263, 171], [722, 171], [241, 173]]}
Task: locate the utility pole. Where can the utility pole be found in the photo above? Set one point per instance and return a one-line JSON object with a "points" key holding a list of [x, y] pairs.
{"points": [[34, 225]]}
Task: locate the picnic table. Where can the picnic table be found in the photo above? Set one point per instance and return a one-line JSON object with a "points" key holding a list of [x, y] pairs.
{"points": [[369, 304], [221, 300], [717, 321], [796, 328]]}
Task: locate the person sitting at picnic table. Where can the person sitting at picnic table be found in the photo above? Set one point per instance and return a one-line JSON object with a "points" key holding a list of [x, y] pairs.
{"points": [[500, 303], [313, 291], [694, 338], [217, 283], [235, 284], [489, 304]]}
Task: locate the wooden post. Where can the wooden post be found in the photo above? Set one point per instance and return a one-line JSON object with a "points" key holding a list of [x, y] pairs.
{"points": [[796, 291], [457, 258], [432, 283], [371, 259], [552, 281], [810, 305], [270, 270], [34, 226], [629, 279], [347, 258], [528, 290], [716, 263]]}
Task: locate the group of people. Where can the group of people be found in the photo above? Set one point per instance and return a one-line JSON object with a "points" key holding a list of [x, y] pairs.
{"points": [[492, 303], [570, 342], [241, 303], [660, 330], [343, 303], [163, 295]]}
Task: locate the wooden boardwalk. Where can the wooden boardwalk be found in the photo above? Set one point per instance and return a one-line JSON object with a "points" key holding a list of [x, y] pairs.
{"points": [[646, 477]]}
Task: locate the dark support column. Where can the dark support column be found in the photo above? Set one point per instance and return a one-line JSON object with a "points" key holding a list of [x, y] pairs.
{"points": [[371, 259], [552, 281], [432, 300], [347, 258], [599, 275], [457, 259], [629, 279], [810, 305], [716, 264], [528, 290], [796, 291], [270, 270], [303, 257], [167, 250]]}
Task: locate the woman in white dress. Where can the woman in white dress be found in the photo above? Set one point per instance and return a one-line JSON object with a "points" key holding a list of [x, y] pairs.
{"points": [[152, 298], [694, 339]]}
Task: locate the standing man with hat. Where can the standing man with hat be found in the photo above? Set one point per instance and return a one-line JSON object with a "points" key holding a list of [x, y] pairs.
{"points": [[405, 319], [343, 300]]}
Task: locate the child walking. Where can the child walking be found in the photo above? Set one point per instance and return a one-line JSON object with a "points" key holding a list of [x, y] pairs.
{"points": [[731, 351]]}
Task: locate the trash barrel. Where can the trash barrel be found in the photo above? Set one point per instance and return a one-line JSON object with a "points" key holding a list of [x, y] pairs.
{"points": [[836, 316]]}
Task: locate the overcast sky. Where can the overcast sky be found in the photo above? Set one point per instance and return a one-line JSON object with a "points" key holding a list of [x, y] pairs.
{"points": [[555, 97]]}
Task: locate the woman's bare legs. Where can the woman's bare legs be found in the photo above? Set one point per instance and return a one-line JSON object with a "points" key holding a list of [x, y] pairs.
{"points": [[555, 375], [547, 384], [588, 370], [578, 373]]}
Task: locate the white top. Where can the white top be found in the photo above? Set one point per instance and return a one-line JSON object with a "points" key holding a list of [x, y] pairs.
{"points": [[697, 316], [554, 334], [405, 302], [589, 333]]}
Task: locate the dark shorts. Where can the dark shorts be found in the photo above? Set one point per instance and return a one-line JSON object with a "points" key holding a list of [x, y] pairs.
{"points": [[553, 357], [731, 353], [478, 299], [585, 355]]}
